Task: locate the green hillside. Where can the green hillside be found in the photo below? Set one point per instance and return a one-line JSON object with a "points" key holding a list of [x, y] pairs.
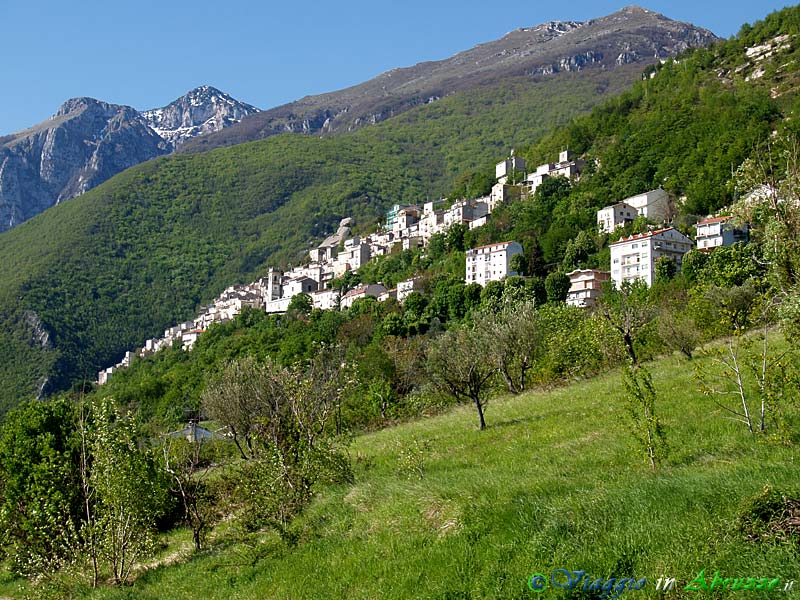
{"points": [[106, 270], [441, 510], [103, 272]]}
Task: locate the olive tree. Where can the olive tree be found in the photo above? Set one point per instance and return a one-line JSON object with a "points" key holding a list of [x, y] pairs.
{"points": [[459, 364]]}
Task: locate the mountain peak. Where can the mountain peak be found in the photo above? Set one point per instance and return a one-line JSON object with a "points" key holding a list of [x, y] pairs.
{"points": [[204, 109], [75, 104]]}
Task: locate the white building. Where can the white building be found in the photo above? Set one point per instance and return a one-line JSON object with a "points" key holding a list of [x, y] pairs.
{"points": [[362, 291], [507, 167], [586, 286], [635, 257], [299, 285], [388, 295], [491, 262], [325, 299], [502, 192], [404, 288], [616, 215], [565, 167], [432, 220], [405, 218], [654, 205], [719, 231], [281, 305]]}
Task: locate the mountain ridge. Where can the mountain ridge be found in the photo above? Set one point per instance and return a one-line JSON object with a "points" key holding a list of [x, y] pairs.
{"points": [[87, 141], [539, 51]]}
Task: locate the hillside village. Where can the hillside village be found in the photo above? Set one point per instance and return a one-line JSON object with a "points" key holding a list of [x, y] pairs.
{"points": [[412, 226]]}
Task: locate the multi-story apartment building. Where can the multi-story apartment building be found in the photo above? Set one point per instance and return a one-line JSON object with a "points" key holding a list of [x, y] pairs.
{"points": [[586, 286], [635, 257], [616, 215], [719, 231], [491, 262]]}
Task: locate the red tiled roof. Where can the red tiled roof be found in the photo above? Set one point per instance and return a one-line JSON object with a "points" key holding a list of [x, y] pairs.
{"points": [[640, 236], [355, 291], [714, 220]]}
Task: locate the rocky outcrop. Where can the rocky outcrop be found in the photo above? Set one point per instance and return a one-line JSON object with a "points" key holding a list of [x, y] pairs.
{"points": [[88, 141]]}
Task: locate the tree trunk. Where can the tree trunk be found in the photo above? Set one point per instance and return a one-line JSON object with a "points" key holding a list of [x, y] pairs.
{"points": [[629, 347], [479, 406]]}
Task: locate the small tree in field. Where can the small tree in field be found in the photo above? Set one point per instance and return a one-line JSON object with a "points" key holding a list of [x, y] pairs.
{"points": [[130, 495], [514, 340], [183, 462], [458, 364], [646, 427]]}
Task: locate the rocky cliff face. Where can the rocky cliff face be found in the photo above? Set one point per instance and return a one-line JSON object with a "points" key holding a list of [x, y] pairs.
{"points": [[632, 35], [88, 141]]}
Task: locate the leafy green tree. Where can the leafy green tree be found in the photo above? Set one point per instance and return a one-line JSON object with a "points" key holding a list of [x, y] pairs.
{"points": [[454, 237], [130, 496], [578, 251], [514, 341], [492, 295], [536, 289], [40, 516], [458, 364], [437, 246], [676, 325], [628, 310], [729, 266], [519, 264], [692, 265], [665, 269], [557, 286], [472, 296], [392, 324], [301, 304]]}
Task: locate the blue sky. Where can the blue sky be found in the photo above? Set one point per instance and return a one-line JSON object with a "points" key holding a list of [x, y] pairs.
{"points": [[146, 54]]}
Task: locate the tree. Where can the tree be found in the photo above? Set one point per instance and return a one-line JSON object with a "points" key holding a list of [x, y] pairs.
{"points": [[187, 468], [519, 264], [458, 365], [454, 237], [40, 514], [492, 295], [130, 495], [240, 394], [676, 326], [293, 447], [692, 265], [628, 310], [437, 246], [750, 368], [514, 339], [301, 304], [664, 269], [557, 286], [578, 251], [646, 427]]}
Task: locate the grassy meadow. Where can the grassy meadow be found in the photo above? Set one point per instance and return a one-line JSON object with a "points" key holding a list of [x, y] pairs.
{"points": [[440, 510]]}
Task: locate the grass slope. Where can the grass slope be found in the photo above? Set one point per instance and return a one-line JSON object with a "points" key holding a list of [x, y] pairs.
{"points": [[441, 510]]}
